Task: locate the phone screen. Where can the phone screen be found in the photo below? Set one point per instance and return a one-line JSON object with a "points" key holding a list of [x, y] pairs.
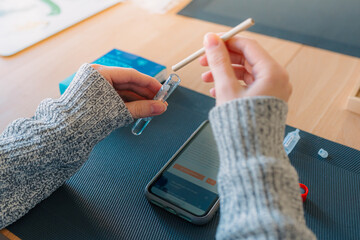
{"points": [[189, 181]]}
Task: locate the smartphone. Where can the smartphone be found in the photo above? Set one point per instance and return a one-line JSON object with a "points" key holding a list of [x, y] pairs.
{"points": [[186, 186]]}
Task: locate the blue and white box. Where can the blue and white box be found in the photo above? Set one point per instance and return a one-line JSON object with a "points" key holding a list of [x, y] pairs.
{"points": [[117, 58]]}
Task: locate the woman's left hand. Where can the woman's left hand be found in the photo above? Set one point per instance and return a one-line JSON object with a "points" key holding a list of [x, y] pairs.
{"points": [[135, 88]]}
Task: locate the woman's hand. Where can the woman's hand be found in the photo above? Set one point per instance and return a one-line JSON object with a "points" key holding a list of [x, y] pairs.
{"points": [[242, 59], [135, 88]]}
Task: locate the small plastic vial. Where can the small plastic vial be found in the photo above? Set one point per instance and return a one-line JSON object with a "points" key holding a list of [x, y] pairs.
{"points": [[322, 153], [291, 140], [140, 125], [165, 91]]}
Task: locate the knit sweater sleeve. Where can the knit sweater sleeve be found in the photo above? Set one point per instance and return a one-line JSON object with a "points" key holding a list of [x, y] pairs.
{"points": [[38, 154], [258, 187]]}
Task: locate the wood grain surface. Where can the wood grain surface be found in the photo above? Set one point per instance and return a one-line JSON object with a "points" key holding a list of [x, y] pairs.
{"points": [[322, 80]]}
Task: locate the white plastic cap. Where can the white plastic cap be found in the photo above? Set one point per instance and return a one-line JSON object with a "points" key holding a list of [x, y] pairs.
{"points": [[322, 153]]}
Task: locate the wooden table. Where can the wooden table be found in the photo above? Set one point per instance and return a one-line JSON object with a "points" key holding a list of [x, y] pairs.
{"points": [[322, 80]]}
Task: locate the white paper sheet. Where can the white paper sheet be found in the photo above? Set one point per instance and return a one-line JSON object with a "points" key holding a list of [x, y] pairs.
{"points": [[26, 22]]}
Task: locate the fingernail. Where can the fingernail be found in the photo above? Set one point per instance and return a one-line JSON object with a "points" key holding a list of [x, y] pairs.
{"points": [[157, 108], [211, 40]]}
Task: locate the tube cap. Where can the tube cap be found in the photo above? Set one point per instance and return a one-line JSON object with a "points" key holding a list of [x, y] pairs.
{"points": [[306, 191]]}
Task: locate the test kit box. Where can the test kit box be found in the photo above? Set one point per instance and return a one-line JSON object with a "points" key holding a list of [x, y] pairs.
{"points": [[118, 58]]}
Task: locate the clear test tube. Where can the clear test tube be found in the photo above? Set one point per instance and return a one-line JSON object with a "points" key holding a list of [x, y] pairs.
{"points": [[165, 91]]}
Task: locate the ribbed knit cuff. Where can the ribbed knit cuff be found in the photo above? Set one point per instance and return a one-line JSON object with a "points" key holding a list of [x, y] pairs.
{"points": [[255, 125], [90, 96], [258, 187]]}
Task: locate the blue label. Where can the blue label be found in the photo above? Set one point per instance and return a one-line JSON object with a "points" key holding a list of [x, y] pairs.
{"points": [[117, 58]]}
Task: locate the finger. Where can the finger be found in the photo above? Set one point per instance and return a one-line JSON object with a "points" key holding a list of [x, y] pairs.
{"points": [[129, 96], [248, 78], [142, 91], [207, 77], [235, 58], [203, 61], [213, 92], [251, 50], [120, 76], [240, 72], [219, 61], [146, 108]]}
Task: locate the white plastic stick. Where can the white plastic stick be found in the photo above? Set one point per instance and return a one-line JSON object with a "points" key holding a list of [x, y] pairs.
{"points": [[241, 27]]}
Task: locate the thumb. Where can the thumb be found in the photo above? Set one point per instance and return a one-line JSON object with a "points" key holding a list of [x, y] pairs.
{"points": [[146, 108], [219, 60]]}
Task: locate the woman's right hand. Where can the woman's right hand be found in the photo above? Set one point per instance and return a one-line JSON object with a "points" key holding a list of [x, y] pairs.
{"points": [[242, 59]]}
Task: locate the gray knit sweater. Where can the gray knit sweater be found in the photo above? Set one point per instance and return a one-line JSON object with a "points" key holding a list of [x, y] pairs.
{"points": [[258, 187]]}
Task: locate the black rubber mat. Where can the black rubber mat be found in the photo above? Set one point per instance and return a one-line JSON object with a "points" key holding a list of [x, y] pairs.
{"points": [[105, 199], [328, 24], [332, 209]]}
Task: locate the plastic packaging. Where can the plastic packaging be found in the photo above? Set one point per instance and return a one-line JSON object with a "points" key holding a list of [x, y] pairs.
{"points": [[165, 91], [291, 140], [322, 153]]}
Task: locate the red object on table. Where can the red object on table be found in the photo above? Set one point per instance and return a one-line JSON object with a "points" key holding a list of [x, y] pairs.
{"points": [[304, 195]]}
